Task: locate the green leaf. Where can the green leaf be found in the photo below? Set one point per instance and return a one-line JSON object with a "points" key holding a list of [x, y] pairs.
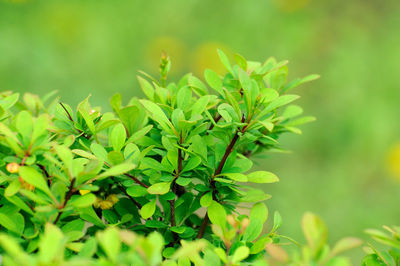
{"points": [[191, 164], [292, 111], [200, 105], [99, 151], [253, 230], [13, 249], [148, 209], [182, 181], [217, 214], [259, 211], [110, 242], [198, 86], [184, 97], [12, 188], [12, 221], [157, 114], [240, 254], [88, 214], [84, 110], [213, 80], [51, 245], [262, 177], [83, 201], [139, 134], [235, 176], [24, 123], [65, 155], [277, 221], [269, 95], [282, 100], [147, 88], [159, 188], [241, 61], [225, 61], [89, 248], [260, 244], [115, 102], [345, 244], [33, 177], [255, 195], [206, 200], [299, 81], [301, 121], [136, 191], [117, 170], [228, 113], [314, 230], [118, 137]]}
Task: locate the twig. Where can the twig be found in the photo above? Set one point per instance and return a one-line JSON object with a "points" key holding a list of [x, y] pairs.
{"points": [[216, 119], [136, 180], [66, 111], [129, 196], [67, 198], [218, 171]]}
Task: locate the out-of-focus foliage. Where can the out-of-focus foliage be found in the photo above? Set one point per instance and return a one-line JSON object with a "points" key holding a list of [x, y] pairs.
{"points": [[345, 164], [390, 239], [114, 246]]}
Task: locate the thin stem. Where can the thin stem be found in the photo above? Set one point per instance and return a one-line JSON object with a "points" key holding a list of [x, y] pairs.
{"points": [[66, 111], [133, 178], [218, 171], [45, 173], [216, 119], [228, 151], [67, 198], [129, 196], [178, 172], [136, 180]]}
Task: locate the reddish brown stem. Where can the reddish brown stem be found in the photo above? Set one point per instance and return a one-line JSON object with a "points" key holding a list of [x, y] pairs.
{"points": [[216, 119], [173, 185], [67, 198], [136, 180], [218, 171]]}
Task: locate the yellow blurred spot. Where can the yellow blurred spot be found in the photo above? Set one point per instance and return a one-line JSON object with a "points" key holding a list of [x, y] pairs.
{"points": [[113, 198], [393, 161], [206, 56], [106, 205], [291, 5], [12, 168], [173, 47], [84, 191]]}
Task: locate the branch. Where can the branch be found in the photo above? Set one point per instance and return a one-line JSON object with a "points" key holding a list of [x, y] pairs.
{"points": [[66, 111], [72, 120], [129, 196], [218, 171], [216, 119], [67, 198], [178, 172], [136, 180]]}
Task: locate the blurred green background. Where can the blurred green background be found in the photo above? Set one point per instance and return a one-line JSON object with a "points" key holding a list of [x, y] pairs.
{"points": [[345, 167]]}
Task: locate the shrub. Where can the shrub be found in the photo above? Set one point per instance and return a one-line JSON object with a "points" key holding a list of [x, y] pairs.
{"points": [[165, 178]]}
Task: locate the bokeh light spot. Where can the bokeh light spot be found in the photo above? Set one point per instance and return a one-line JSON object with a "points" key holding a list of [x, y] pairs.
{"points": [[206, 56], [393, 161], [173, 47]]}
